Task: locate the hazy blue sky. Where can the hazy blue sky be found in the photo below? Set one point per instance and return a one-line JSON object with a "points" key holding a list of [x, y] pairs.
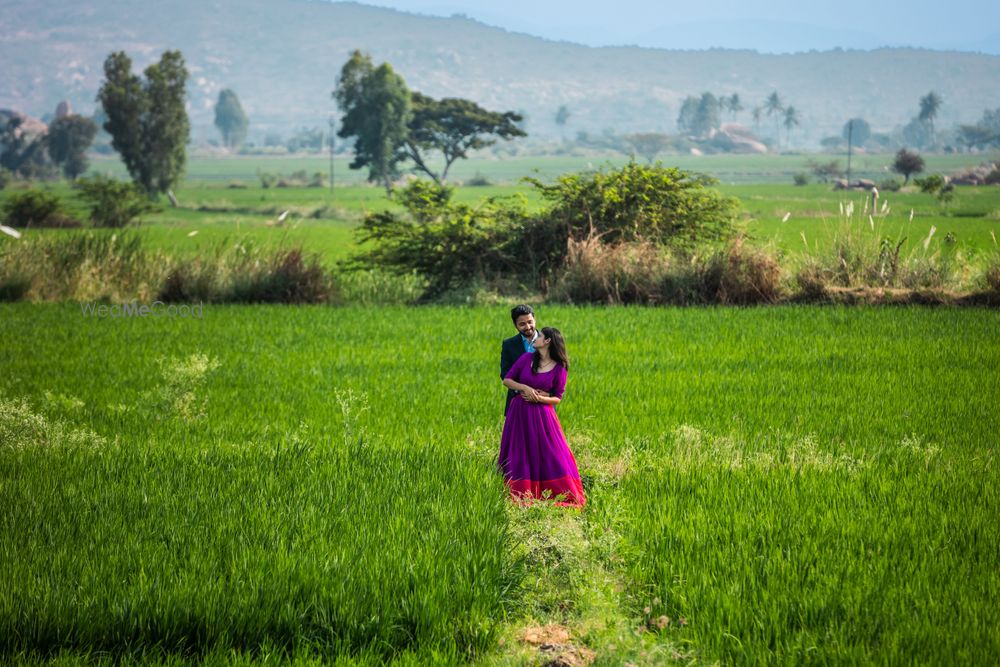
{"points": [[776, 26]]}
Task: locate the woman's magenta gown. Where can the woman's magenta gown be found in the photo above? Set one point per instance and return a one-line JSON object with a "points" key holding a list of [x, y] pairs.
{"points": [[534, 457]]}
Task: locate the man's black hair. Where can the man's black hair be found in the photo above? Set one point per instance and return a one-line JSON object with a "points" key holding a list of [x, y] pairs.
{"points": [[518, 311]]}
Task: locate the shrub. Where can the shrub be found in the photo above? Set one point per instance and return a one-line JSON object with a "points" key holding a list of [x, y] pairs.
{"points": [[801, 178], [622, 273], [287, 278], [454, 245], [14, 285], [478, 181], [449, 245], [6, 176], [661, 204], [993, 276], [746, 275], [992, 178], [36, 208], [890, 185], [267, 180], [113, 203], [931, 184]]}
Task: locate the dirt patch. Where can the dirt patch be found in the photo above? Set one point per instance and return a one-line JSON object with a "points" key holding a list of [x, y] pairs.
{"points": [[554, 647], [551, 634]]}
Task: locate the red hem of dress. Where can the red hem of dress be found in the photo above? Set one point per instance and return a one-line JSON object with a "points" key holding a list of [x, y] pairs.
{"points": [[525, 491]]}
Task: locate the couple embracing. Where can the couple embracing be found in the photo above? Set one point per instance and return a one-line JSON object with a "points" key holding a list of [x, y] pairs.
{"points": [[534, 457]]}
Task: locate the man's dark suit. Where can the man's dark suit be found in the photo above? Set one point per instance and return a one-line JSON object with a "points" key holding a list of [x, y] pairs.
{"points": [[510, 351]]}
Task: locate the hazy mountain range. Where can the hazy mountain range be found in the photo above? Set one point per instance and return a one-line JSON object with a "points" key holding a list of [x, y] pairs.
{"points": [[282, 58]]}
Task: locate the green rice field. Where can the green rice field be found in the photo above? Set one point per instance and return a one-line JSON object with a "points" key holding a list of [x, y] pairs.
{"points": [[783, 485], [774, 213]]}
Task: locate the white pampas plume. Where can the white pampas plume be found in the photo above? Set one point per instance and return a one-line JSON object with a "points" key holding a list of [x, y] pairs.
{"points": [[10, 231], [787, 216], [194, 233], [281, 218], [927, 241], [803, 235], [885, 205], [871, 222], [994, 237], [841, 207], [911, 215]]}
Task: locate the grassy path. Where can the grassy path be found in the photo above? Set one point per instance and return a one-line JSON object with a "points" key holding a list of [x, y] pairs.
{"points": [[574, 606]]}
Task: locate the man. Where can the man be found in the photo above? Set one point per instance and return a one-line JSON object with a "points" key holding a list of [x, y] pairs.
{"points": [[513, 347]]}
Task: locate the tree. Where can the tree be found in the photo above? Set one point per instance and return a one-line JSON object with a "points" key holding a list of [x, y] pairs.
{"points": [[917, 133], [756, 115], [907, 163], [147, 120], [22, 152], [699, 116], [562, 117], [454, 127], [376, 106], [929, 105], [857, 131], [735, 105], [774, 107], [67, 141], [686, 117], [649, 144], [975, 136], [231, 119], [791, 120]]}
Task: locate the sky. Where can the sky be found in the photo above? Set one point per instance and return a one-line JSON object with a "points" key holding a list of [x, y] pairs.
{"points": [[772, 26]]}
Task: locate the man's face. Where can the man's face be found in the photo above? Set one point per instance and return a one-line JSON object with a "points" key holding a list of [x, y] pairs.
{"points": [[526, 325]]}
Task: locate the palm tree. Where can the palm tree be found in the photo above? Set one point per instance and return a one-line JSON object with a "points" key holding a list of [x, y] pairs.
{"points": [[774, 107], [757, 113], [791, 120], [929, 105]]}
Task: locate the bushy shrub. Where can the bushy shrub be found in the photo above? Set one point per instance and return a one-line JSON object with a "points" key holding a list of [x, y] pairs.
{"points": [[453, 245], [449, 245], [801, 178], [6, 176], [890, 185], [35, 208], [992, 178], [267, 180], [113, 203], [661, 204]]}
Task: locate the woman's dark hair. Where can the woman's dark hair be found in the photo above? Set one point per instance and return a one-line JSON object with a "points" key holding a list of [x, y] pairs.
{"points": [[518, 311], [557, 349]]}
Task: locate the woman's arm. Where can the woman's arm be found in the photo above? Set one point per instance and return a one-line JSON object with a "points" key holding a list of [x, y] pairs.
{"points": [[527, 392]]}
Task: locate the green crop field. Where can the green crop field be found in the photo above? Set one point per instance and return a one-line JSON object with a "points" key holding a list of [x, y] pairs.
{"points": [[213, 213], [779, 485]]}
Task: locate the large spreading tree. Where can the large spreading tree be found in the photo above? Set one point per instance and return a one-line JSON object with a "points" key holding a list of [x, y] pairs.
{"points": [[391, 125], [231, 119], [453, 127], [147, 119], [376, 106]]}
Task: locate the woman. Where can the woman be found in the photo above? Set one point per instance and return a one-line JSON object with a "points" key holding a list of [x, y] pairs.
{"points": [[534, 456]]}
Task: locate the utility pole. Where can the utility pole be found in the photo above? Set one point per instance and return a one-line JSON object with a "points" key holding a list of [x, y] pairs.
{"points": [[332, 122], [850, 138]]}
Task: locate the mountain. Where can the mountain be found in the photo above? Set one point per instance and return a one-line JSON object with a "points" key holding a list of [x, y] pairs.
{"points": [[282, 58]]}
